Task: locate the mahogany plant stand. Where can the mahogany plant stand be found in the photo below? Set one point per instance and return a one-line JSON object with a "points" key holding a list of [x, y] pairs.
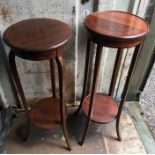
{"points": [[37, 40], [113, 29]]}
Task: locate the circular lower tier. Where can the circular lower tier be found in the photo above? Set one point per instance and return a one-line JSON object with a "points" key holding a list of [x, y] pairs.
{"points": [[45, 113], [104, 110]]}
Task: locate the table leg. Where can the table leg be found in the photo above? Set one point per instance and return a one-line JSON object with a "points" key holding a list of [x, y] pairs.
{"points": [[115, 71], [85, 74], [130, 72], [52, 77], [94, 86], [20, 91], [61, 71]]}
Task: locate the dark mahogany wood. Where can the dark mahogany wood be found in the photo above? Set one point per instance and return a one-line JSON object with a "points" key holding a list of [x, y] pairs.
{"points": [[123, 29], [21, 93], [114, 29], [126, 87], [52, 77], [115, 71], [85, 74], [37, 35], [102, 104], [37, 39], [94, 86], [45, 113], [41, 39], [63, 110]]}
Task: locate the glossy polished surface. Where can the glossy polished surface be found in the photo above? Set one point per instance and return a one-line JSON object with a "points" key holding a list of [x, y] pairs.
{"points": [[116, 24], [45, 113], [113, 29], [104, 110], [41, 39], [38, 34]]}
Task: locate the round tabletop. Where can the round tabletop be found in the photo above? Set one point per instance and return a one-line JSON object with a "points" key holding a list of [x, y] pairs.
{"points": [[116, 25], [39, 34]]}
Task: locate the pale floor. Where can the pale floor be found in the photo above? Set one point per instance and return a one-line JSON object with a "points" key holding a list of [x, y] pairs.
{"points": [[147, 102], [101, 138]]}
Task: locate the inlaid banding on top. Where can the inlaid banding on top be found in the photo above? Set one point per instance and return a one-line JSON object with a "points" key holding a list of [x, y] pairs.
{"points": [[116, 24]]}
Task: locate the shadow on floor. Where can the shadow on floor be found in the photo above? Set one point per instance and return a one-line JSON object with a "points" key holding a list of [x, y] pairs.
{"points": [[52, 141], [101, 138]]}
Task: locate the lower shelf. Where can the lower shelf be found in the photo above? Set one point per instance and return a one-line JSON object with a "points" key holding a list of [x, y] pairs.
{"points": [[45, 113], [104, 110]]}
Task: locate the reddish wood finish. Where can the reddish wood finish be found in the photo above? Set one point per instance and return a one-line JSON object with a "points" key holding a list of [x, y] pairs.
{"points": [[126, 87], [123, 29], [21, 92], [45, 113], [37, 35], [52, 70], [113, 29], [41, 39], [85, 74], [37, 39], [102, 104], [94, 86], [63, 109], [115, 71]]}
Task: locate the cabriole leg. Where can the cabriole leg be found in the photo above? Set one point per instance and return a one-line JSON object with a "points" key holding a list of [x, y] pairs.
{"points": [[52, 77], [20, 91], [61, 71]]}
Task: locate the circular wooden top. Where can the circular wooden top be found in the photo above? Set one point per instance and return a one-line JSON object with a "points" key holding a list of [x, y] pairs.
{"points": [[39, 34], [116, 25], [105, 108], [45, 113]]}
